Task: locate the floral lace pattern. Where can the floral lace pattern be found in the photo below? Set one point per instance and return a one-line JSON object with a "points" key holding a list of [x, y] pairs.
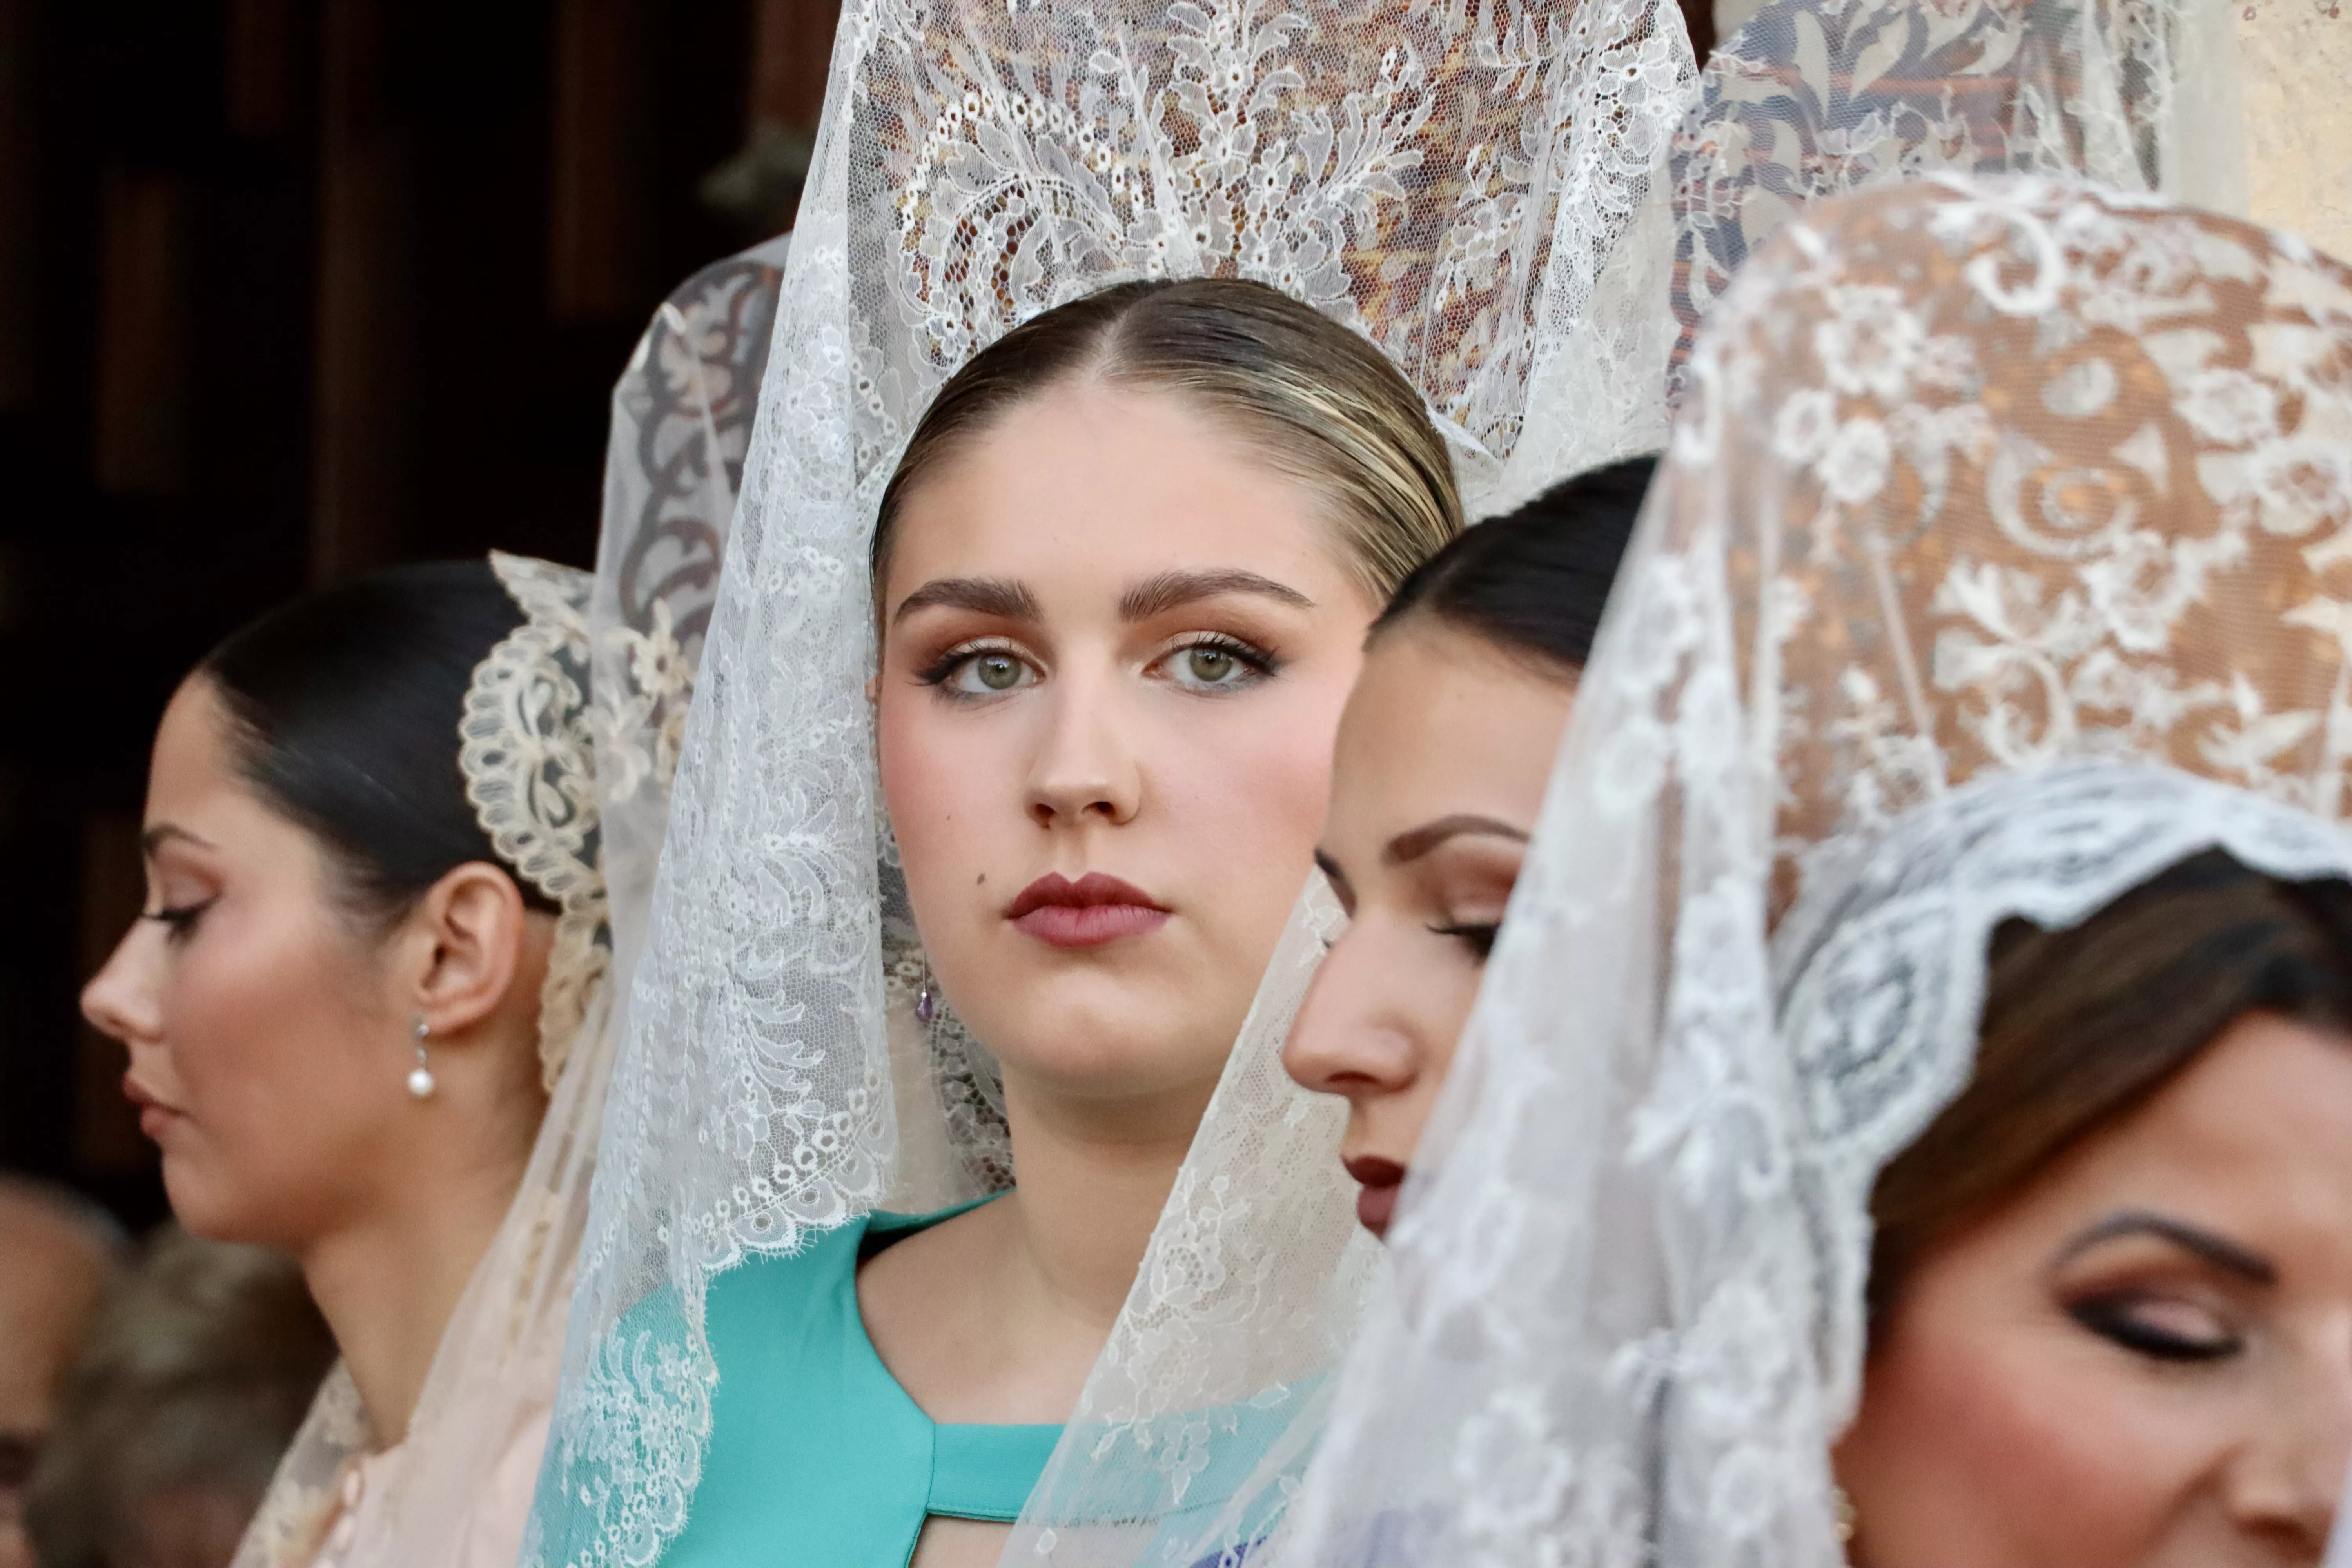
{"points": [[1811, 100], [528, 754], [1457, 182], [1998, 563]]}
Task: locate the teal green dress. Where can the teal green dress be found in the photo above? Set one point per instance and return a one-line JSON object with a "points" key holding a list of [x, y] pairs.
{"points": [[817, 1457]]}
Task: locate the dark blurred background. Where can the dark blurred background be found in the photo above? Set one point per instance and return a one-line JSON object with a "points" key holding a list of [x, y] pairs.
{"points": [[290, 289]]}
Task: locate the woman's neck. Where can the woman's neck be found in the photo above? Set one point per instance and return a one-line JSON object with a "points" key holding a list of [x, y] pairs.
{"points": [[1092, 1184], [388, 1282], [998, 1315]]}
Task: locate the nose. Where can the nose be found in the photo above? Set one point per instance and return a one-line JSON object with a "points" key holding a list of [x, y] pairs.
{"points": [[125, 998], [1340, 1042], [2286, 1484], [1087, 769]]}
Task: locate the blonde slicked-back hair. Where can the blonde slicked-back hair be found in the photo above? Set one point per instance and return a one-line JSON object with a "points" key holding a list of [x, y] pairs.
{"points": [[1315, 401]]}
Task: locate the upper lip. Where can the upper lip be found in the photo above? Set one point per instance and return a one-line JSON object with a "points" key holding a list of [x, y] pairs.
{"points": [[1371, 1171], [1087, 892]]}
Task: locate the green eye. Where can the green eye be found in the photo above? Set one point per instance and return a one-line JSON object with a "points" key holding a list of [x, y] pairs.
{"points": [[1209, 664], [997, 672]]}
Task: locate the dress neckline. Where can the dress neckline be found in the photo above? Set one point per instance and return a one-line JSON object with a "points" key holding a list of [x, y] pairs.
{"points": [[977, 1468]]}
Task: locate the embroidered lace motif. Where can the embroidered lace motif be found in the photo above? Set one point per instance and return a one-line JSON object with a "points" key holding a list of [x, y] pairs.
{"points": [[1811, 101]]}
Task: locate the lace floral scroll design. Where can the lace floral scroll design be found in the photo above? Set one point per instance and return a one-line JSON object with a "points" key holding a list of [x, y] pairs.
{"points": [[526, 751], [682, 421], [1809, 101], [1448, 178], [2027, 607]]}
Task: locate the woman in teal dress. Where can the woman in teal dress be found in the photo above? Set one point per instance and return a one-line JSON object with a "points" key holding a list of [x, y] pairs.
{"points": [[1003, 777], [1097, 763]]}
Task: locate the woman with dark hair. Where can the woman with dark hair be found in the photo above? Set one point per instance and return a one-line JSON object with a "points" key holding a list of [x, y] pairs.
{"points": [[372, 945], [1468, 677], [1907, 1115], [368, 1010]]}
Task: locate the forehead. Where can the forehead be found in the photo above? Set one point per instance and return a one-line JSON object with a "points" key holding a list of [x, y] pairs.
{"points": [[1089, 485], [1440, 723], [2253, 1137], [193, 760]]}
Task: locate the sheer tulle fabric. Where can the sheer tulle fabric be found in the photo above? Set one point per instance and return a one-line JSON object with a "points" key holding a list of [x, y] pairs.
{"points": [[1808, 100], [567, 744], [1997, 562], [1457, 182]]}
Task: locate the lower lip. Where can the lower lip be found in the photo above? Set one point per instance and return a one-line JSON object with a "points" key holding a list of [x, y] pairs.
{"points": [[1091, 925], [155, 1121], [1375, 1206]]}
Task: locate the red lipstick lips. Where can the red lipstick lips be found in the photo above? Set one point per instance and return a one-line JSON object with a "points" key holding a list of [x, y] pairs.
{"points": [[1089, 912], [1382, 1180]]}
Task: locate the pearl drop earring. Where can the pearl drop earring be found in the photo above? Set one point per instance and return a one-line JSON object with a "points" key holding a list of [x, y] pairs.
{"points": [[420, 1078]]}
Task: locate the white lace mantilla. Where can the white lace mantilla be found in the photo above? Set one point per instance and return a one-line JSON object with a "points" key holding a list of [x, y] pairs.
{"points": [[1456, 182], [2003, 557]]}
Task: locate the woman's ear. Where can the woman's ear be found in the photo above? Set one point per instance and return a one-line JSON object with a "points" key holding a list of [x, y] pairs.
{"points": [[466, 943]]}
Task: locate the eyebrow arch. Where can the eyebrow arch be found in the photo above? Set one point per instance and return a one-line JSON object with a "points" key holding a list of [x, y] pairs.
{"points": [[1409, 847], [163, 833], [998, 596], [2222, 1254], [1157, 595]]}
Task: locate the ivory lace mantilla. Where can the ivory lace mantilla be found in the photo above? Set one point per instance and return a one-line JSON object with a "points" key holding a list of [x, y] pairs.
{"points": [[1464, 185], [2000, 561]]}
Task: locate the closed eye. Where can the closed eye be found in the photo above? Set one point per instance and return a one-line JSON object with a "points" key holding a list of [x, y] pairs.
{"points": [[1479, 939], [2158, 1329]]}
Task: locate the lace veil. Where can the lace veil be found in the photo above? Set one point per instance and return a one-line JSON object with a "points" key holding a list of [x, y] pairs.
{"points": [[2000, 560], [1812, 99], [567, 744], [1460, 184]]}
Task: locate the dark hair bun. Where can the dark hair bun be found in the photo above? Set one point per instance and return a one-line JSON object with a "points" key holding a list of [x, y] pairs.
{"points": [[346, 704]]}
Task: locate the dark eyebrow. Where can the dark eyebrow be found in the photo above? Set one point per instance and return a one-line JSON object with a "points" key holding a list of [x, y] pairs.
{"points": [[2222, 1253], [998, 596], [163, 833], [1409, 846], [1157, 595]]}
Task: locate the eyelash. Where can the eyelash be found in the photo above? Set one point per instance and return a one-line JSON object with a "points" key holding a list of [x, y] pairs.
{"points": [[178, 924], [2110, 1318], [1257, 661], [944, 668], [1478, 939]]}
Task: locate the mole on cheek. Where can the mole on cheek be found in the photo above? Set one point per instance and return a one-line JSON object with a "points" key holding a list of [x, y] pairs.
{"points": [[984, 879]]}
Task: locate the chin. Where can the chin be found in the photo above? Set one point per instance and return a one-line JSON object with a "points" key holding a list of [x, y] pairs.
{"points": [[1104, 1054], [199, 1206], [211, 1208]]}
